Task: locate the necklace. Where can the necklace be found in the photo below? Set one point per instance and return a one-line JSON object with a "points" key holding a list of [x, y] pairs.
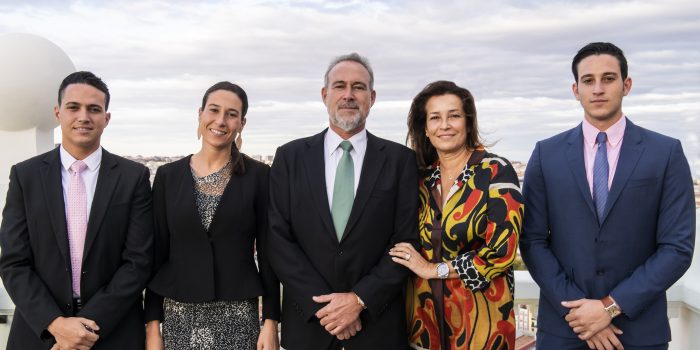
{"points": [[459, 170], [451, 177]]}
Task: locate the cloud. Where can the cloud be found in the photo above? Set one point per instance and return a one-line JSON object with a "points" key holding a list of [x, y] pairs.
{"points": [[160, 56]]}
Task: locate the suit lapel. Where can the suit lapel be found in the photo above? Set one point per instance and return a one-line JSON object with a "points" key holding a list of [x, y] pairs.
{"points": [[577, 166], [371, 168], [107, 180], [232, 191], [314, 162], [186, 201], [630, 151], [53, 194]]}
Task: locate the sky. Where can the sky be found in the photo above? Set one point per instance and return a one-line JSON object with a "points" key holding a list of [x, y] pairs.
{"points": [[158, 58]]}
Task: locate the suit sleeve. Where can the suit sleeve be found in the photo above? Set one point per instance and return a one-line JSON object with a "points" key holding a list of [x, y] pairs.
{"points": [[31, 297], [675, 237], [286, 257], [504, 214], [109, 305], [271, 299], [387, 278], [153, 305], [555, 285]]}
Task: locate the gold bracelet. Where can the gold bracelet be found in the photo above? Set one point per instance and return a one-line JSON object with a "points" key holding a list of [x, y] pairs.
{"points": [[360, 302]]}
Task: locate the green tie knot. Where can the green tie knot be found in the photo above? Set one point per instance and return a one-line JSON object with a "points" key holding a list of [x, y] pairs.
{"points": [[346, 146]]}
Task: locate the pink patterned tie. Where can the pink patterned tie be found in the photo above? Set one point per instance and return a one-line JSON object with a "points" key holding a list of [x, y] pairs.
{"points": [[77, 216]]}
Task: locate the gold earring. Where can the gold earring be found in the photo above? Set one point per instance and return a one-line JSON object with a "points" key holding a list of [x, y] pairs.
{"points": [[239, 140], [199, 128]]}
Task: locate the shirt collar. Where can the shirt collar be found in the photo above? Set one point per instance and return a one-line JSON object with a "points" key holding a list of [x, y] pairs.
{"points": [[615, 132], [359, 141], [92, 161]]}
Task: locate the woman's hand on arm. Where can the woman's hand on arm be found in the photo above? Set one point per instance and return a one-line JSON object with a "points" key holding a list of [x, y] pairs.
{"points": [[406, 255], [268, 339], [154, 340]]}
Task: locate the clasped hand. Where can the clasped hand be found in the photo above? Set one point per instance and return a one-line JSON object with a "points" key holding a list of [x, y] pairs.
{"points": [[588, 319], [73, 333], [341, 316]]}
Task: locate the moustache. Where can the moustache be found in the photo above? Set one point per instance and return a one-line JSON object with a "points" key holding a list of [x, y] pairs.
{"points": [[348, 105]]}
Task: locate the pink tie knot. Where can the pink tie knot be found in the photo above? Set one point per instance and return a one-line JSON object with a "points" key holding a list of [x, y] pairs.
{"points": [[78, 166]]}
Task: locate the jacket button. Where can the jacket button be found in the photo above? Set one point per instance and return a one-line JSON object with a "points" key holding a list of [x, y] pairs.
{"points": [[84, 272], [68, 306], [600, 272], [340, 252]]}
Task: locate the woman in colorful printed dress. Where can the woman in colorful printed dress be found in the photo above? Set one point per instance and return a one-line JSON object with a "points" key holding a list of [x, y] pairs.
{"points": [[461, 296], [210, 213]]}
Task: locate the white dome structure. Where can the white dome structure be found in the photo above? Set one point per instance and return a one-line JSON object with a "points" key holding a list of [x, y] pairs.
{"points": [[31, 68]]}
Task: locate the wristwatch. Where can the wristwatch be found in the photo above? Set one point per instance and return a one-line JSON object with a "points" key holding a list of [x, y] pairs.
{"points": [[611, 306], [443, 271]]}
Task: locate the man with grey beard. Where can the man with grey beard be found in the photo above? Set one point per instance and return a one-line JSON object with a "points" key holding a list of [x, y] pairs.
{"points": [[339, 200]]}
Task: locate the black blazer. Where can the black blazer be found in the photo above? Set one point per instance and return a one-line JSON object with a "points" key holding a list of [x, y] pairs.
{"points": [[192, 265], [35, 260], [309, 259]]}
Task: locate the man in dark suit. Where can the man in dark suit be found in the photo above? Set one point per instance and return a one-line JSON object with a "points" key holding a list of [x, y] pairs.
{"points": [[76, 235], [339, 201], [609, 219]]}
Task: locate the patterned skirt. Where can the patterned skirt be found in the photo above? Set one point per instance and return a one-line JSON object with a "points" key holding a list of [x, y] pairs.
{"points": [[216, 325]]}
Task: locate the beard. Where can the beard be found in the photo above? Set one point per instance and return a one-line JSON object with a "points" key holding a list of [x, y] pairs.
{"points": [[348, 122]]}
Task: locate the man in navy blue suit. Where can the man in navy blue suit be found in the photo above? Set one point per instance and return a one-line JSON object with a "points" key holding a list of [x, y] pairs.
{"points": [[609, 219]]}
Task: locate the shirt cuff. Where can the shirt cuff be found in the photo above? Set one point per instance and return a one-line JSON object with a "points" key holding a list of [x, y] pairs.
{"points": [[470, 276]]}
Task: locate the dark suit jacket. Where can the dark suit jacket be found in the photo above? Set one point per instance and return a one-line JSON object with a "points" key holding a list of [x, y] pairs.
{"points": [[309, 260], [644, 244], [35, 260], [193, 265]]}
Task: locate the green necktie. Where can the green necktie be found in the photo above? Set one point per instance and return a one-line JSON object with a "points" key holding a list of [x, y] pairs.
{"points": [[343, 190]]}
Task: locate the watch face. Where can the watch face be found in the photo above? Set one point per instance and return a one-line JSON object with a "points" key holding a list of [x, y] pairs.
{"points": [[613, 310], [443, 270]]}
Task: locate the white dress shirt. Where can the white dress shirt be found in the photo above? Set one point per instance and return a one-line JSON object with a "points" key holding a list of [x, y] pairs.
{"points": [[89, 175], [332, 154]]}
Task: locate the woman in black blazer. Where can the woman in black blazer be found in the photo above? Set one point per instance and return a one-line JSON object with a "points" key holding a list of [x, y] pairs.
{"points": [[211, 212]]}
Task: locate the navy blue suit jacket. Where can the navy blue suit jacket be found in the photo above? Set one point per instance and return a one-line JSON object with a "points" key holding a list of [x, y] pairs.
{"points": [[643, 245]]}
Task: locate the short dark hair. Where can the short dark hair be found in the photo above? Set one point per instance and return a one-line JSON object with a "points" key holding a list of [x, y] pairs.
{"points": [[426, 154], [83, 77], [352, 57], [237, 158], [600, 48], [231, 87]]}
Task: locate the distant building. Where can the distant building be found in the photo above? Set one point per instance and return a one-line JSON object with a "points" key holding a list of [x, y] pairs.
{"points": [[153, 162]]}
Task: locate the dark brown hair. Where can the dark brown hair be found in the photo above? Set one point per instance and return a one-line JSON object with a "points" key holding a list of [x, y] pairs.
{"points": [[600, 48], [236, 155], [84, 77], [426, 154]]}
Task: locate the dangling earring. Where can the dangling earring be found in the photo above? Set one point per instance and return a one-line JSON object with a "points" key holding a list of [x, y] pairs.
{"points": [[239, 140]]}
